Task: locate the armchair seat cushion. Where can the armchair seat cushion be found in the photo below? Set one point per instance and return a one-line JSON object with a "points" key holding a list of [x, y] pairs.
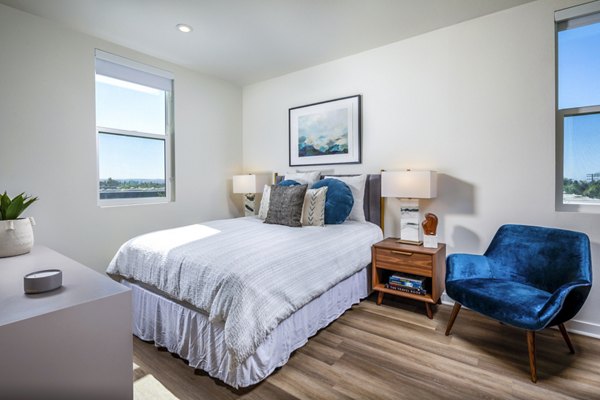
{"points": [[508, 301]]}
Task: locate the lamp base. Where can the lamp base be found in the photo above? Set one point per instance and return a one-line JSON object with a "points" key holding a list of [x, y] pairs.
{"points": [[409, 221], [249, 204]]}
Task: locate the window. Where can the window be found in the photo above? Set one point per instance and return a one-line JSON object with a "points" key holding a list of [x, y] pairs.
{"points": [[578, 108], [134, 127]]}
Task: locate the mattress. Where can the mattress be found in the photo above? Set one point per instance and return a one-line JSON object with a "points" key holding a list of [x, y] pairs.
{"points": [[187, 331]]}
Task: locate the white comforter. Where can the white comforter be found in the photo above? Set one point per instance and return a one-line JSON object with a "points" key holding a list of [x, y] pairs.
{"points": [[248, 274]]}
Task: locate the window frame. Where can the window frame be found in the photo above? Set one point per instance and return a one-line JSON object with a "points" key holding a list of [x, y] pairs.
{"points": [[564, 17], [167, 137], [560, 142]]}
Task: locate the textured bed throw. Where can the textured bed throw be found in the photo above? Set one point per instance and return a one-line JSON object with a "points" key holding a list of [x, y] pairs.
{"points": [[249, 275]]}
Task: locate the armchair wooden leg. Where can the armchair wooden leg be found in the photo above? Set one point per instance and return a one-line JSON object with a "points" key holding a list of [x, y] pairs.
{"points": [[455, 311], [565, 336], [531, 347]]}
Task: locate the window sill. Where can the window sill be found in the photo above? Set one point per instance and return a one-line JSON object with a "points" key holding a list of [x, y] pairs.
{"points": [[578, 208], [132, 202]]}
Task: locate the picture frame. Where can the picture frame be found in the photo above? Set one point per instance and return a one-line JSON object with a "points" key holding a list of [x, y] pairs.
{"points": [[325, 133]]}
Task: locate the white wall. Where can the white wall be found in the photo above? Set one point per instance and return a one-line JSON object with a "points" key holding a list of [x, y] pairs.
{"points": [[474, 101], [48, 142]]}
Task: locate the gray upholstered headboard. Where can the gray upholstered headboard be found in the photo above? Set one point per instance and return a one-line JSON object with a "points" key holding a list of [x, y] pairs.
{"points": [[372, 201]]}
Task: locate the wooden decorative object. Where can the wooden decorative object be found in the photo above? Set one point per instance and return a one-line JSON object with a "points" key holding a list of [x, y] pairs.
{"points": [[430, 224]]}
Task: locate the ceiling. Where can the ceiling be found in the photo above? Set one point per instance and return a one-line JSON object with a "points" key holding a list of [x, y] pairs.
{"points": [[246, 41]]}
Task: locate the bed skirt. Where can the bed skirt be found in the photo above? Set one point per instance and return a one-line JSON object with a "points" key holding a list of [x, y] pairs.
{"points": [[189, 333]]}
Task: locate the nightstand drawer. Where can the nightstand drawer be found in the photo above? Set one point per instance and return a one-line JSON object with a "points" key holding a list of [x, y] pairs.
{"points": [[406, 268], [404, 258]]}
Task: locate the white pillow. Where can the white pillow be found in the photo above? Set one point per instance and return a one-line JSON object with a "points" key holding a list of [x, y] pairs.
{"points": [[302, 178], [357, 186], [264, 202], [323, 172], [313, 210]]}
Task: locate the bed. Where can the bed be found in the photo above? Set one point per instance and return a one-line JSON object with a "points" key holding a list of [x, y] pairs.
{"points": [[236, 297]]}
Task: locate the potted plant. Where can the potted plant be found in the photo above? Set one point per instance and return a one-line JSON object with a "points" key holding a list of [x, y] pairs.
{"points": [[16, 234]]}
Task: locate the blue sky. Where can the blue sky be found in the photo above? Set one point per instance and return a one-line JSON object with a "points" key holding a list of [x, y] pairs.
{"points": [[579, 85], [132, 107], [581, 146], [126, 157]]}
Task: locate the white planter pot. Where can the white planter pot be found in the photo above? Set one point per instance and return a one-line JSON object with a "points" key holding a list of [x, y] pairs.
{"points": [[16, 236]]}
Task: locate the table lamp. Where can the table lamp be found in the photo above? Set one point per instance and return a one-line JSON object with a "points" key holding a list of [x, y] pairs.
{"points": [[246, 185], [409, 186]]}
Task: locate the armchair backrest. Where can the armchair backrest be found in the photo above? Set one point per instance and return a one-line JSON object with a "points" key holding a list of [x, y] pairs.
{"points": [[545, 258]]}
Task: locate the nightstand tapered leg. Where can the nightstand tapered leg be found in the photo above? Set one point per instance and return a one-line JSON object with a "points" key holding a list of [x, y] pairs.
{"points": [[379, 298], [429, 310]]}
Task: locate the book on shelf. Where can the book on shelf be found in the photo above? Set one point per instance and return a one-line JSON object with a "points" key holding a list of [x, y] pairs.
{"points": [[416, 285], [408, 277], [407, 280], [406, 289]]}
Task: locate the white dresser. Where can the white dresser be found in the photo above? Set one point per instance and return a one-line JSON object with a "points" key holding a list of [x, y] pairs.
{"points": [[71, 343]]}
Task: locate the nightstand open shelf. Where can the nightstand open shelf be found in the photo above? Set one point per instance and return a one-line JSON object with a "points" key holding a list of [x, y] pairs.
{"points": [[420, 297], [390, 256]]}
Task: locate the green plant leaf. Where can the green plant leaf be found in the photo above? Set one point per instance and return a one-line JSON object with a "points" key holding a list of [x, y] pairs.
{"points": [[4, 203], [12, 209], [15, 208], [29, 201]]}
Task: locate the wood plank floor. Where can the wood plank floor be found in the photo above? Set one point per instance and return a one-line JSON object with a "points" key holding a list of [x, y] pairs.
{"points": [[394, 352]]}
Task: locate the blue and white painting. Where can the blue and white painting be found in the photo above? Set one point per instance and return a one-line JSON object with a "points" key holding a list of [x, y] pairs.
{"points": [[326, 133], [323, 134]]}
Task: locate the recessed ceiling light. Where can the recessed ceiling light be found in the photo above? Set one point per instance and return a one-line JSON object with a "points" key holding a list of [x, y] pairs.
{"points": [[184, 28]]}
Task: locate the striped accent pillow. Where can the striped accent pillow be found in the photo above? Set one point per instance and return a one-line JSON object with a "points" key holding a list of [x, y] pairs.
{"points": [[313, 210], [264, 202]]}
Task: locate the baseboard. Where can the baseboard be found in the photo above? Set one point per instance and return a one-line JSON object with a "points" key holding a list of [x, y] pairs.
{"points": [[583, 328], [447, 300], [579, 327]]}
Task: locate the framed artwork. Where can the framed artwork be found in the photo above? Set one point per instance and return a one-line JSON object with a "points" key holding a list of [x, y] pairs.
{"points": [[324, 133]]}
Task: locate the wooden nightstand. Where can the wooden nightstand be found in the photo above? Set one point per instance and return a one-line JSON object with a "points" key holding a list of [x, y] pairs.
{"points": [[390, 256]]}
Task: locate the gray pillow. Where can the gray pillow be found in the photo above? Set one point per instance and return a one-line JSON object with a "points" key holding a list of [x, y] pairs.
{"points": [[285, 205]]}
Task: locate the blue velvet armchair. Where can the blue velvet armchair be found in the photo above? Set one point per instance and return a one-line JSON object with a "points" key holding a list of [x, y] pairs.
{"points": [[530, 277]]}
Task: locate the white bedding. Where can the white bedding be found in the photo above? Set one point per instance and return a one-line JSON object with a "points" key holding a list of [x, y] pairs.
{"points": [[244, 273], [190, 334]]}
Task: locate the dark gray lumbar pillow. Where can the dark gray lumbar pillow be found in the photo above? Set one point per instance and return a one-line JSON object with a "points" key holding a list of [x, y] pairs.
{"points": [[285, 205]]}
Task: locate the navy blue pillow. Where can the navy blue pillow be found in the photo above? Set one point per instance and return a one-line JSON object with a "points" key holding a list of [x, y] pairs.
{"points": [[288, 182], [338, 202]]}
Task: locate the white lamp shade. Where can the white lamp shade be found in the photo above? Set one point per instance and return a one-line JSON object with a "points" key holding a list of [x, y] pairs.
{"points": [[409, 184], [244, 184]]}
